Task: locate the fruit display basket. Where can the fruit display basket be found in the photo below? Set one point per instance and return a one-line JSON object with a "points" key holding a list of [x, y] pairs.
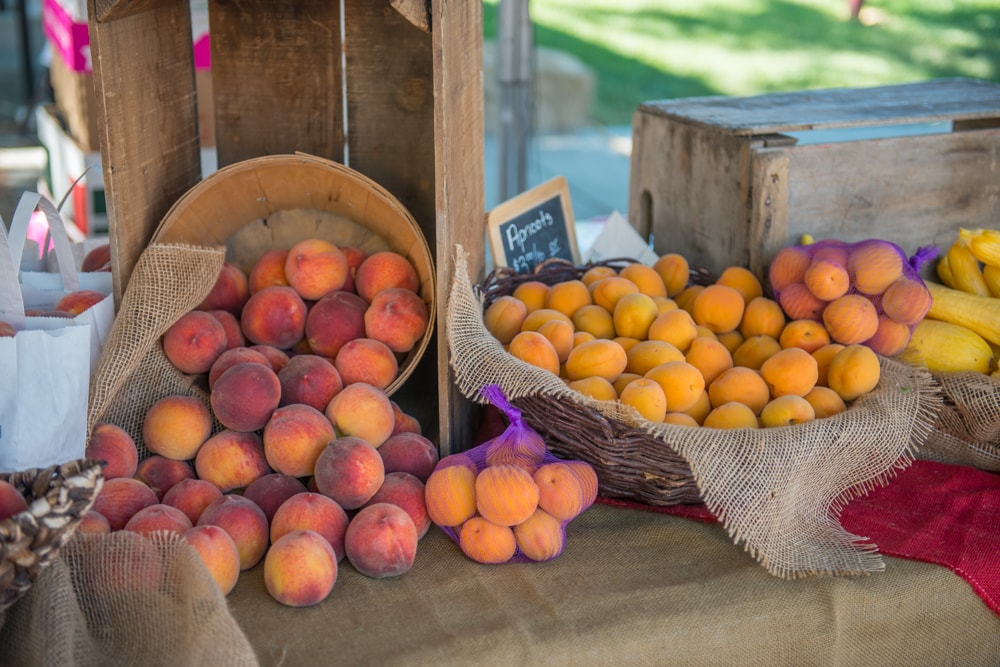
{"points": [[58, 497]]}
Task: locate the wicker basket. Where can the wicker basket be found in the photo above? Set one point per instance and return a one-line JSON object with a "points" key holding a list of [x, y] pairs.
{"points": [[58, 497], [630, 463]]}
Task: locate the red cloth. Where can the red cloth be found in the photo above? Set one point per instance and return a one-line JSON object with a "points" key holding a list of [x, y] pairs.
{"points": [[932, 512]]}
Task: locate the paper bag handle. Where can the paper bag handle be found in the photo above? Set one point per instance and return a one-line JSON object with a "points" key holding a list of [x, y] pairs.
{"points": [[30, 201]]}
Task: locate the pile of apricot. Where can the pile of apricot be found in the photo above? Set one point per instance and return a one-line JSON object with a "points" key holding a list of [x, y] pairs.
{"points": [[720, 355]]}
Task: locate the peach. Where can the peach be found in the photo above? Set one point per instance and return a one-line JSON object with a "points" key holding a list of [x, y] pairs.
{"points": [[232, 460], [194, 342], [355, 256], [120, 498], [335, 319], [245, 396], [274, 316], [11, 500], [192, 496], [362, 410], [230, 291], [160, 474], [176, 426], [158, 517], [234, 356], [310, 380], [7, 330], [383, 270], [312, 511], [277, 358], [506, 494], [113, 445], [406, 492], [97, 258], [409, 452], [381, 541], [397, 317], [315, 267], [268, 271], [350, 471], [300, 569], [560, 490], [486, 542], [367, 360], [271, 490], [231, 325], [76, 302], [93, 523], [450, 491], [245, 523], [541, 536], [404, 423], [219, 554], [294, 437]]}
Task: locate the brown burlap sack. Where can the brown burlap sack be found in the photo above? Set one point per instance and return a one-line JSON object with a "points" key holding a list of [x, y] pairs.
{"points": [[777, 491], [967, 431]]}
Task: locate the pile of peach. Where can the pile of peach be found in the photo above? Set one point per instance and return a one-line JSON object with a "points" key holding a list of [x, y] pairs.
{"points": [[722, 355]]}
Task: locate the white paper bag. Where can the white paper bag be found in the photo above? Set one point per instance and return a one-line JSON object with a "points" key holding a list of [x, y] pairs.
{"points": [[45, 367]]}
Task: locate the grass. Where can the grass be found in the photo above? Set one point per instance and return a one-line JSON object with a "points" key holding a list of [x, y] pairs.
{"points": [[644, 50]]}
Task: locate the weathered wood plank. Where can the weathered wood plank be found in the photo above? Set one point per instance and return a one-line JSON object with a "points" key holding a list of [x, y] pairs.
{"points": [[277, 78], [416, 12]]}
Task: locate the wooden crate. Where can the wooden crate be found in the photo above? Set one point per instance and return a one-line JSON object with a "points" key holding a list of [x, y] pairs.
{"points": [[285, 73], [727, 181]]}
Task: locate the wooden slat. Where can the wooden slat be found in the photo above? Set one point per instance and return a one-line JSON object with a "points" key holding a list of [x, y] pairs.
{"points": [[148, 121], [276, 77], [768, 225], [416, 12]]}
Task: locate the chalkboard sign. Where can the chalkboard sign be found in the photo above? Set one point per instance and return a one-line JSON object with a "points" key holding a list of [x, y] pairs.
{"points": [[532, 227]]}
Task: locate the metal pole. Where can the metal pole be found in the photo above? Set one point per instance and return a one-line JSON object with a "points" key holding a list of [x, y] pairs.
{"points": [[515, 73]]}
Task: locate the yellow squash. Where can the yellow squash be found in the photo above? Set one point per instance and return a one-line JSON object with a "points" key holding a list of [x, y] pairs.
{"points": [[978, 313], [944, 347]]}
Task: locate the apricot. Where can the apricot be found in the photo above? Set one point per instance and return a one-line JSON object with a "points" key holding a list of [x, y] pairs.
{"points": [[532, 294], [535, 349], [245, 396], [791, 370], [619, 383], [873, 266], [731, 339], [364, 411], [594, 320], [788, 266], [381, 541], [582, 337], [702, 406], [808, 334], [850, 319], [398, 318], [540, 537], [645, 278], [113, 445], [349, 470], [647, 397], [606, 291], [906, 301], [741, 385], [192, 496], [755, 350], [675, 272], [588, 480], [234, 356], [762, 316], [268, 271], [633, 314], [300, 569], [595, 273], [561, 491], [823, 355], [537, 318], [503, 318], [603, 358], [709, 356], [567, 296], [680, 419], [685, 300], [315, 267], [294, 437], [718, 307], [244, 521], [407, 493], [506, 494], [120, 498], [194, 342], [853, 371], [158, 517], [786, 410], [274, 316], [312, 511], [560, 334], [229, 292], [218, 553], [334, 320], [161, 474], [663, 304], [825, 402], [11, 500], [890, 338], [270, 491], [450, 491], [799, 303], [676, 327], [742, 280], [409, 452], [730, 415], [176, 426], [831, 250], [486, 542], [827, 279], [366, 360], [597, 388], [309, 379]]}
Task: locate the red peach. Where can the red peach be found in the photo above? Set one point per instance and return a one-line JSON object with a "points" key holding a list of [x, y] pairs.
{"points": [[278, 358], [234, 356], [176, 426], [76, 302], [273, 489], [160, 474], [355, 256], [381, 541], [406, 492], [113, 445], [218, 552], [312, 511], [398, 318], [11, 500], [231, 325], [300, 569], [194, 342], [93, 523], [7, 330], [294, 437], [404, 423], [409, 452], [97, 258], [350, 471], [268, 271], [362, 410], [383, 270], [120, 498], [245, 523], [244, 396], [230, 291], [232, 460], [367, 360], [309, 379], [192, 496], [335, 319], [315, 267], [274, 316], [158, 517]]}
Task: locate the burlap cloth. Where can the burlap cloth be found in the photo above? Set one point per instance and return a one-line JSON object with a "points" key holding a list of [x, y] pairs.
{"points": [[967, 431], [777, 491]]}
